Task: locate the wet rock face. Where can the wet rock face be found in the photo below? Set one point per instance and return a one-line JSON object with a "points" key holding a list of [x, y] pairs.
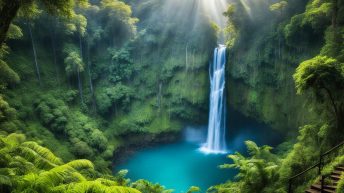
{"points": [[278, 108], [260, 84]]}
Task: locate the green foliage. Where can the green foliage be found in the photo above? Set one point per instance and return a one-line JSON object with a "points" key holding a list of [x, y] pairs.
{"points": [[14, 32], [231, 27], [313, 21], [126, 72], [278, 6], [70, 96], [7, 75], [8, 117], [334, 46], [26, 166], [319, 73], [98, 140], [264, 171], [108, 97], [323, 76], [82, 133], [117, 13], [193, 189], [122, 67], [147, 187], [73, 61], [52, 113], [61, 8], [254, 172], [340, 186], [77, 23], [81, 128]]}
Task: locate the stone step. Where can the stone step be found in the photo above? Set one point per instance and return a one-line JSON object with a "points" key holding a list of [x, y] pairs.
{"points": [[318, 187], [312, 191], [340, 168], [335, 177], [319, 191], [336, 172]]}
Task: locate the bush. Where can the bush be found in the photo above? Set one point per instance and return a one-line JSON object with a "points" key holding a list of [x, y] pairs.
{"points": [[70, 96], [98, 140], [8, 117], [81, 149], [52, 113], [118, 94]]}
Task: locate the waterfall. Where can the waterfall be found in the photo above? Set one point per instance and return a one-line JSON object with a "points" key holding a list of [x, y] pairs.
{"points": [[216, 142]]}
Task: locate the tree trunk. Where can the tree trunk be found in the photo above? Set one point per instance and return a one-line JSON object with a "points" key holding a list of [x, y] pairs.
{"points": [[34, 54], [80, 88], [160, 96], [333, 106], [7, 13], [186, 58], [80, 45], [90, 77], [53, 45], [335, 13]]}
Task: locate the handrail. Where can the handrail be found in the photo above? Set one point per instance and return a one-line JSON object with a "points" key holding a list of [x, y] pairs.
{"points": [[319, 165], [306, 170], [333, 148]]}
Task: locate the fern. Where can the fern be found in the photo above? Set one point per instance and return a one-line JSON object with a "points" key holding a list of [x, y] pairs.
{"points": [[32, 156], [28, 167], [43, 152], [80, 164], [92, 186], [5, 180]]}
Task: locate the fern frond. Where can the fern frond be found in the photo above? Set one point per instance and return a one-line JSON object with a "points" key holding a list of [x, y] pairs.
{"points": [[107, 182], [80, 164], [5, 180], [92, 186], [21, 165], [43, 152], [14, 139], [66, 173], [32, 156]]}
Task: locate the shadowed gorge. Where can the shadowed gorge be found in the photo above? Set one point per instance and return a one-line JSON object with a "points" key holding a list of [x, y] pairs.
{"points": [[161, 96]]}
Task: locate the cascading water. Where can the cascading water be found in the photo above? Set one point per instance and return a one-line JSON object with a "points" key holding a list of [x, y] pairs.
{"points": [[216, 142]]}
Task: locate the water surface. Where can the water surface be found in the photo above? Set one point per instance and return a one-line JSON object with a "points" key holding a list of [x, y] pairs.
{"points": [[180, 165]]}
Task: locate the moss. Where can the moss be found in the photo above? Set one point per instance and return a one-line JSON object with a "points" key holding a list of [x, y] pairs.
{"points": [[163, 123]]}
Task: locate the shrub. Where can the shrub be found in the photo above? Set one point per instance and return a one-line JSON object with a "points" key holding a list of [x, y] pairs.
{"points": [[98, 140], [52, 113], [81, 149]]}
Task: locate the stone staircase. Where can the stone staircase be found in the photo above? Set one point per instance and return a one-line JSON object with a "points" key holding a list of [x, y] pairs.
{"points": [[328, 187]]}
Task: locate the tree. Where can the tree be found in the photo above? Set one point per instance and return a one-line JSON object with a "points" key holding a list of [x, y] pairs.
{"points": [[34, 53], [74, 65], [122, 67], [231, 28], [118, 20], [10, 8], [7, 75], [77, 24], [279, 6], [324, 77]]}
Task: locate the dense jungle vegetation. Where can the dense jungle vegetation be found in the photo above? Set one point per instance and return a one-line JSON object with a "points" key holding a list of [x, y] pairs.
{"points": [[82, 81]]}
